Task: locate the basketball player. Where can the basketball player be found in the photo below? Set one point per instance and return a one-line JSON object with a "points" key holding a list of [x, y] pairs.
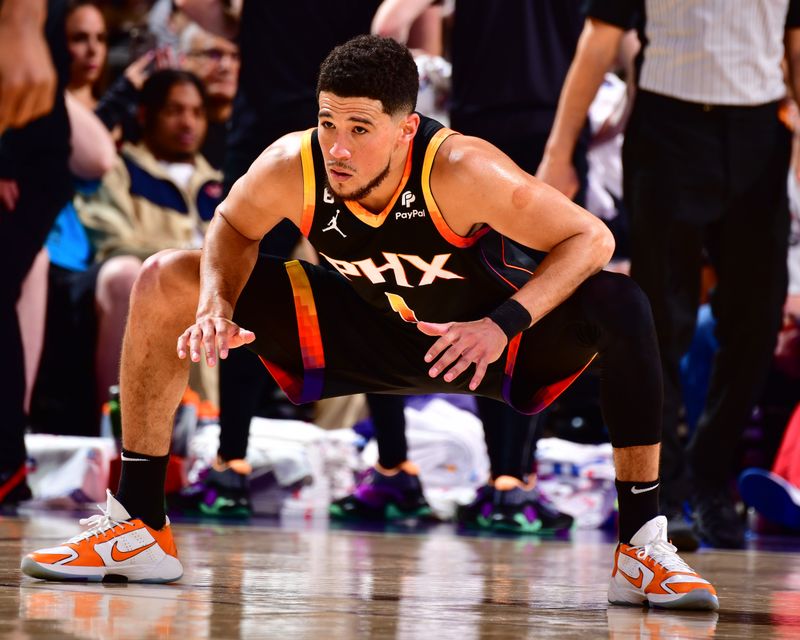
{"points": [[426, 296]]}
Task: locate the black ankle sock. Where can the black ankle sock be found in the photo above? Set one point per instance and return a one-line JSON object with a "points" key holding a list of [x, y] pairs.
{"points": [[638, 503], [141, 487]]}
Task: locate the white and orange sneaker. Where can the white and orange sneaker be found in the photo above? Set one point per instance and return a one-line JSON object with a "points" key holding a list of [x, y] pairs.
{"points": [[115, 548], [650, 571]]}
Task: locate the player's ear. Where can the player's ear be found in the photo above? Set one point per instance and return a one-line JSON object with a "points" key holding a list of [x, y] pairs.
{"points": [[408, 127]]}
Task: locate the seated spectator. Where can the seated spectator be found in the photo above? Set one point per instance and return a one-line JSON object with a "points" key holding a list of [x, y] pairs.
{"points": [[161, 192], [215, 61]]}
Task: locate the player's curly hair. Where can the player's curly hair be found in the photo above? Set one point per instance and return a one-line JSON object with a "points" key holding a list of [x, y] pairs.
{"points": [[372, 67]]}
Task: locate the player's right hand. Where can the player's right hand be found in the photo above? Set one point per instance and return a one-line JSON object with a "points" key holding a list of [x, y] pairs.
{"points": [[214, 335]]}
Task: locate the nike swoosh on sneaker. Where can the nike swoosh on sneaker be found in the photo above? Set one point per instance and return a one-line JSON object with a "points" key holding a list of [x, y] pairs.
{"points": [[117, 555], [637, 581], [637, 490]]}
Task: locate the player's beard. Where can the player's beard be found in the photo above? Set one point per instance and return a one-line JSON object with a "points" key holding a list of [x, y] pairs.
{"points": [[364, 191]]}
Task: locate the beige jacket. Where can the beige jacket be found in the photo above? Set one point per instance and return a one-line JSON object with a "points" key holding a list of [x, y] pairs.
{"points": [[139, 210]]}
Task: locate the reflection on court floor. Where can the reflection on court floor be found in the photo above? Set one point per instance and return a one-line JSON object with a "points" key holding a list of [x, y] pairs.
{"points": [[307, 580]]}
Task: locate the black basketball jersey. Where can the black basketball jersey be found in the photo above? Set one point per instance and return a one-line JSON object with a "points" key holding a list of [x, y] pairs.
{"points": [[405, 260]]}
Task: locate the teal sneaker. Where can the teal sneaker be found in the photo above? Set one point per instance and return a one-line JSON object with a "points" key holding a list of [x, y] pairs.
{"points": [[511, 506], [223, 491]]}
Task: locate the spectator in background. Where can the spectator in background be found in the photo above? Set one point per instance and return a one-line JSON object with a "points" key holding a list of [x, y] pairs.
{"points": [[215, 60], [161, 192], [705, 160], [86, 42]]}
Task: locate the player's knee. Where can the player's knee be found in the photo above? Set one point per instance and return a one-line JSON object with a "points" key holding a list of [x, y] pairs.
{"points": [[622, 305], [166, 275]]}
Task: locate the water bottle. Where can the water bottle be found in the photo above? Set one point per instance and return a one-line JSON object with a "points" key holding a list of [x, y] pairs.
{"points": [[114, 412]]}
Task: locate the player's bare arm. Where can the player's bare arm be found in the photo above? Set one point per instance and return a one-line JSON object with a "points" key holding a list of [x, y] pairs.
{"points": [[483, 186], [270, 191], [475, 184]]}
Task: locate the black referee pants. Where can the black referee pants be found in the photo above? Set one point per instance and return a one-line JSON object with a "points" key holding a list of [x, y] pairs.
{"points": [[709, 182]]}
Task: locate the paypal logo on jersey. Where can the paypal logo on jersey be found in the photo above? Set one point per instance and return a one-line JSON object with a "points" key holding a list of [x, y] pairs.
{"points": [[405, 200]]}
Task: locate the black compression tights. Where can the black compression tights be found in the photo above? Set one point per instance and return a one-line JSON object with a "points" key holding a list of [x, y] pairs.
{"points": [[608, 315]]}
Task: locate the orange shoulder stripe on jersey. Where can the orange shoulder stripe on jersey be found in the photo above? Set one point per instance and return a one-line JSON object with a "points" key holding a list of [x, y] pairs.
{"points": [[438, 219], [309, 183], [375, 220]]}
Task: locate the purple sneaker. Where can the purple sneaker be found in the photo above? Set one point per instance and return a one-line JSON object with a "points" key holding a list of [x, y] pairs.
{"points": [[381, 497], [511, 506], [221, 492]]}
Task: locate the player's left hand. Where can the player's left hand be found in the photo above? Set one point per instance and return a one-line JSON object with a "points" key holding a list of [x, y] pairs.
{"points": [[480, 342]]}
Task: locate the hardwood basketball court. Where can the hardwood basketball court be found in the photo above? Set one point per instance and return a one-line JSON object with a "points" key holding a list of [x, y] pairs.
{"points": [[314, 580]]}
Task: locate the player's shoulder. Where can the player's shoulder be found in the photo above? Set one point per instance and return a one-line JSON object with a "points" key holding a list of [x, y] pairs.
{"points": [[461, 158], [274, 181], [281, 155]]}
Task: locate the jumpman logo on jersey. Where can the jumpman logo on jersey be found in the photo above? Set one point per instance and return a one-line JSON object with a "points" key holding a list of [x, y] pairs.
{"points": [[332, 225]]}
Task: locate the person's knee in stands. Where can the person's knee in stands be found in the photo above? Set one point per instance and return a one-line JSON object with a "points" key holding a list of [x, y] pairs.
{"points": [[112, 293]]}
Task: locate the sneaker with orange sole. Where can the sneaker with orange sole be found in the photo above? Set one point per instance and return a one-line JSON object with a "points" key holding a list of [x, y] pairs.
{"points": [[115, 548], [649, 571]]}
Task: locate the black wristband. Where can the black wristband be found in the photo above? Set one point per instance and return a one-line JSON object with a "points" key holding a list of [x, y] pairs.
{"points": [[511, 317]]}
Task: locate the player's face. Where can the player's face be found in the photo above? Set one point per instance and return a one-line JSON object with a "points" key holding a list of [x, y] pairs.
{"points": [[357, 140]]}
